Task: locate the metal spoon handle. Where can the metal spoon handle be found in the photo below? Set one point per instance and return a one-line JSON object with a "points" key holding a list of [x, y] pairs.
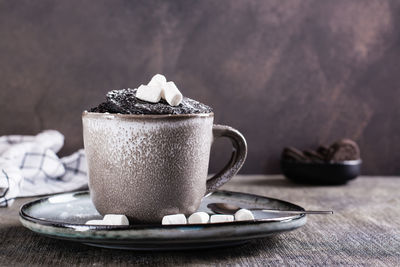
{"points": [[298, 211]]}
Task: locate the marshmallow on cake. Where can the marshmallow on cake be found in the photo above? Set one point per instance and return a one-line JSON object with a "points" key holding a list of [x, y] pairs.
{"points": [[158, 88]]}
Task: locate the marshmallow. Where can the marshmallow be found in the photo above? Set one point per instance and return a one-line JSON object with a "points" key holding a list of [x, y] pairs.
{"points": [[198, 217], [174, 219], [149, 93], [116, 219], [172, 94], [95, 222], [110, 219], [219, 218], [158, 80], [244, 215]]}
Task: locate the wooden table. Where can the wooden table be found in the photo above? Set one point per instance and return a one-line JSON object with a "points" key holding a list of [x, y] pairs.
{"points": [[365, 230]]}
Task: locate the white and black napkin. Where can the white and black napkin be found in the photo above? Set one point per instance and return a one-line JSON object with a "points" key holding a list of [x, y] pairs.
{"points": [[29, 166]]}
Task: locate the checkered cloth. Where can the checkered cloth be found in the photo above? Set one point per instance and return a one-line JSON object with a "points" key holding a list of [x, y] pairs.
{"points": [[29, 166]]}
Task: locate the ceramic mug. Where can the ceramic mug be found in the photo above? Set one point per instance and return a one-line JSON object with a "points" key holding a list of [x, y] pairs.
{"points": [[148, 166]]}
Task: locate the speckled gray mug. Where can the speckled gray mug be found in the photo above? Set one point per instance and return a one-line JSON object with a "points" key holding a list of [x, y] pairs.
{"points": [[148, 166]]}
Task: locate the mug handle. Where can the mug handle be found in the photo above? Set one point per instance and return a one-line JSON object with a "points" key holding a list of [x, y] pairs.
{"points": [[238, 157]]}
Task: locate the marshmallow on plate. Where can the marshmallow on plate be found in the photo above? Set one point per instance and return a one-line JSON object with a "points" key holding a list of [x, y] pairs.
{"points": [[116, 219], [198, 217], [219, 218], [244, 215], [174, 219], [149, 93], [95, 222], [110, 219], [172, 94]]}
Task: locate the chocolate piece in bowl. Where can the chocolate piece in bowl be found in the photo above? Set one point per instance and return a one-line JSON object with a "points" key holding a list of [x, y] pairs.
{"points": [[293, 154], [313, 156], [343, 150], [336, 164], [323, 151]]}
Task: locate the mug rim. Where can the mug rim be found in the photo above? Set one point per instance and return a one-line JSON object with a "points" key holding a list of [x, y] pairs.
{"points": [[145, 116]]}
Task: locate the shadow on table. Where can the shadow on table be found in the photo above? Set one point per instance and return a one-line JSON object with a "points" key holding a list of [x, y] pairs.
{"points": [[279, 181], [270, 181]]}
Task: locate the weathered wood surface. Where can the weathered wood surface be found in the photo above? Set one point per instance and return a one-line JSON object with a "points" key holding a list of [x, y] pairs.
{"points": [[365, 230]]}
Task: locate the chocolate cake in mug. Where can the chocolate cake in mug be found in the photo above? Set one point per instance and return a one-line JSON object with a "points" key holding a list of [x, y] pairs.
{"points": [[147, 160]]}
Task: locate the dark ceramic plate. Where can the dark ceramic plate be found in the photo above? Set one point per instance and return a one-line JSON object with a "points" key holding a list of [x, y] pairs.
{"points": [[321, 173], [63, 216]]}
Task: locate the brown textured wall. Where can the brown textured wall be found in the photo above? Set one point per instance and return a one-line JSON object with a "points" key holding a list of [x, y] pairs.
{"points": [[293, 72]]}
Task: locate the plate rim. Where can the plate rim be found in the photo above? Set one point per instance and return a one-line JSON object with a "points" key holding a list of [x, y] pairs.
{"points": [[162, 234], [39, 221]]}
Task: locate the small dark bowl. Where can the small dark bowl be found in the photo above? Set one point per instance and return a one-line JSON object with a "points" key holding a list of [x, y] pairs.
{"points": [[334, 173]]}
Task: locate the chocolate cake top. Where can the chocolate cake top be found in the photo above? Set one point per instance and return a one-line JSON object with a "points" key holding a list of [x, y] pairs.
{"points": [[124, 101]]}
